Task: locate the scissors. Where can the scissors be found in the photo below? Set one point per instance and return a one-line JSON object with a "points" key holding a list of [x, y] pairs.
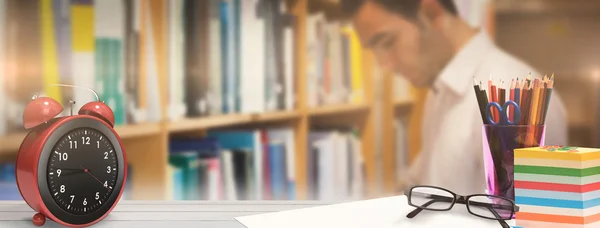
{"points": [[503, 110]]}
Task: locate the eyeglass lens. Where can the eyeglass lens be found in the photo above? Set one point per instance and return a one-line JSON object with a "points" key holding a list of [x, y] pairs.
{"points": [[491, 207], [431, 198]]}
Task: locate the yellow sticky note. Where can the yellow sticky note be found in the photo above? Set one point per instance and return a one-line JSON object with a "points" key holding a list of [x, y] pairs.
{"points": [[82, 28]]}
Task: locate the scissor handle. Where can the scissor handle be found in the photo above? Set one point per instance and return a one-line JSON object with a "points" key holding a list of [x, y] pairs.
{"points": [[488, 111], [517, 112], [503, 112]]}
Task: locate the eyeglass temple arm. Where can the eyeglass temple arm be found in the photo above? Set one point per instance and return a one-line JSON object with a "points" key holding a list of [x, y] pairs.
{"points": [[434, 199], [500, 220], [418, 210]]}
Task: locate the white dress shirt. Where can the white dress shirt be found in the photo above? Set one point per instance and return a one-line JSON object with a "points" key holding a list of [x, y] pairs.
{"points": [[452, 147]]}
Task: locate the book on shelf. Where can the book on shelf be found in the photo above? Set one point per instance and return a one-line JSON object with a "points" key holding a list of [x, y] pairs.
{"points": [[8, 183], [335, 64], [236, 164], [246, 158], [195, 168], [336, 165], [401, 148]]}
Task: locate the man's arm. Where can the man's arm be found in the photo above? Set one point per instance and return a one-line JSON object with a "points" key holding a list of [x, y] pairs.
{"points": [[409, 176]]}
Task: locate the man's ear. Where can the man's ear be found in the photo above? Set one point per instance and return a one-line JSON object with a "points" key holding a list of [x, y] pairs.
{"points": [[435, 13]]}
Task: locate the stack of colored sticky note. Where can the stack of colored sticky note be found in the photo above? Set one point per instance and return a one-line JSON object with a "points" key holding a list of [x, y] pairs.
{"points": [[557, 187]]}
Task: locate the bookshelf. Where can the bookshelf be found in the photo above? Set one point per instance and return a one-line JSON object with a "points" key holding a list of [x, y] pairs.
{"points": [[147, 144], [230, 120], [338, 109], [11, 143]]}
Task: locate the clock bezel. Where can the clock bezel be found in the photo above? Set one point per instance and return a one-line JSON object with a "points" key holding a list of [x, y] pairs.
{"points": [[42, 173]]}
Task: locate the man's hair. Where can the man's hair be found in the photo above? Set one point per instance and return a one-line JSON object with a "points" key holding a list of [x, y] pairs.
{"points": [[406, 8]]}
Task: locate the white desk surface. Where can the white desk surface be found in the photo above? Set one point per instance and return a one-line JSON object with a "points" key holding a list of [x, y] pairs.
{"points": [[175, 214]]}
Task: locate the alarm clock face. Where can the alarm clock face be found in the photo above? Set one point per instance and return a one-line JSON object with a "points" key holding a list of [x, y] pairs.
{"points": [[81, 170]]}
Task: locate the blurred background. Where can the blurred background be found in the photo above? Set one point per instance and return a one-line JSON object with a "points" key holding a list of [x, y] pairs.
{"points": [[256, 99]]}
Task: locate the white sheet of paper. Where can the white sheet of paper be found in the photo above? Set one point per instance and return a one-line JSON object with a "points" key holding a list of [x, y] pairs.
{"points": [[387, 212]]}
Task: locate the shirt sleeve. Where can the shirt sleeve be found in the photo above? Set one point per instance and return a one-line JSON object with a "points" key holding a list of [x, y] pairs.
{"points": [[556, 122], [411, 174]]}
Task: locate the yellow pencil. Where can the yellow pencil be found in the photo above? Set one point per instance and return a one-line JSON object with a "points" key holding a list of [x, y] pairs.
{"points": [[534, 103], [542, 95]]}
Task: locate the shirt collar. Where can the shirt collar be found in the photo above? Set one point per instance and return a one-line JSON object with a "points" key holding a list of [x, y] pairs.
{"points": [[458, 73]]}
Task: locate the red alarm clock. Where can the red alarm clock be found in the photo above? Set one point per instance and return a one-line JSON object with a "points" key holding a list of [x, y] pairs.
{"points": [[70, 169]]}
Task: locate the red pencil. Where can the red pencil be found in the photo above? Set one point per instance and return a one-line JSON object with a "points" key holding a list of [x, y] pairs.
{"points": [[512, 98], [495, 113], [490, 89]]}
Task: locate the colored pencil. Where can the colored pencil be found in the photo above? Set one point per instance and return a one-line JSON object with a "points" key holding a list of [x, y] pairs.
{"points": [[512, 98], [534, 103], [501, 94], [543, 101], [517, 93], [479, 100], [526, 102], [548, 96], [495, 99], [531, 94], [484, 95], [490, 82]]}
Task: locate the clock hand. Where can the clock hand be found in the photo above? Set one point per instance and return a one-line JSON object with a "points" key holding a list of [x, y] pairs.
{"points": [[66, 171], [87, 171], [81, 170], [71, 173]]}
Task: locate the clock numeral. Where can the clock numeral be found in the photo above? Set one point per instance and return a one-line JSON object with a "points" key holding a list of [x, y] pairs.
{"points": [[84, 201], [62, 189], [97, 195], [72, 198], [98, 144], [58, 171], [73, 144], [108, 169], [105, 184], [63, 156], [85, 140], [105, 155]]}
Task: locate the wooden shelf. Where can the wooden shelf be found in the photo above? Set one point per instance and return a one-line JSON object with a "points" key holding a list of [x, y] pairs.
{"points": [[339, 109], [402, 106], [138, 130], [402, 102], [11, 143], [208, 122]]}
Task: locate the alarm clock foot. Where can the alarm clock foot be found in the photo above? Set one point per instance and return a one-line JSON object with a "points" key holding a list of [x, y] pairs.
{"points": [[39, 219]]}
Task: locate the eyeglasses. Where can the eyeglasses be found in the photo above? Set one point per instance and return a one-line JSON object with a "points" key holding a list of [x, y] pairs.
{"points": [[481, 205]]}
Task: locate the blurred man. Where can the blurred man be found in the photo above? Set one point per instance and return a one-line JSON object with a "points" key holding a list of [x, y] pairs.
{"points": [[426, 42]]}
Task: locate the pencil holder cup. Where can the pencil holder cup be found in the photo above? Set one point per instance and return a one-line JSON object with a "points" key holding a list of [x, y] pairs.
{"points": [[499, 142]]}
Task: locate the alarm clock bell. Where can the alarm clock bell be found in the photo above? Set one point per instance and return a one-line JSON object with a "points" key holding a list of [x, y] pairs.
{"points": [[40, 110]]}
